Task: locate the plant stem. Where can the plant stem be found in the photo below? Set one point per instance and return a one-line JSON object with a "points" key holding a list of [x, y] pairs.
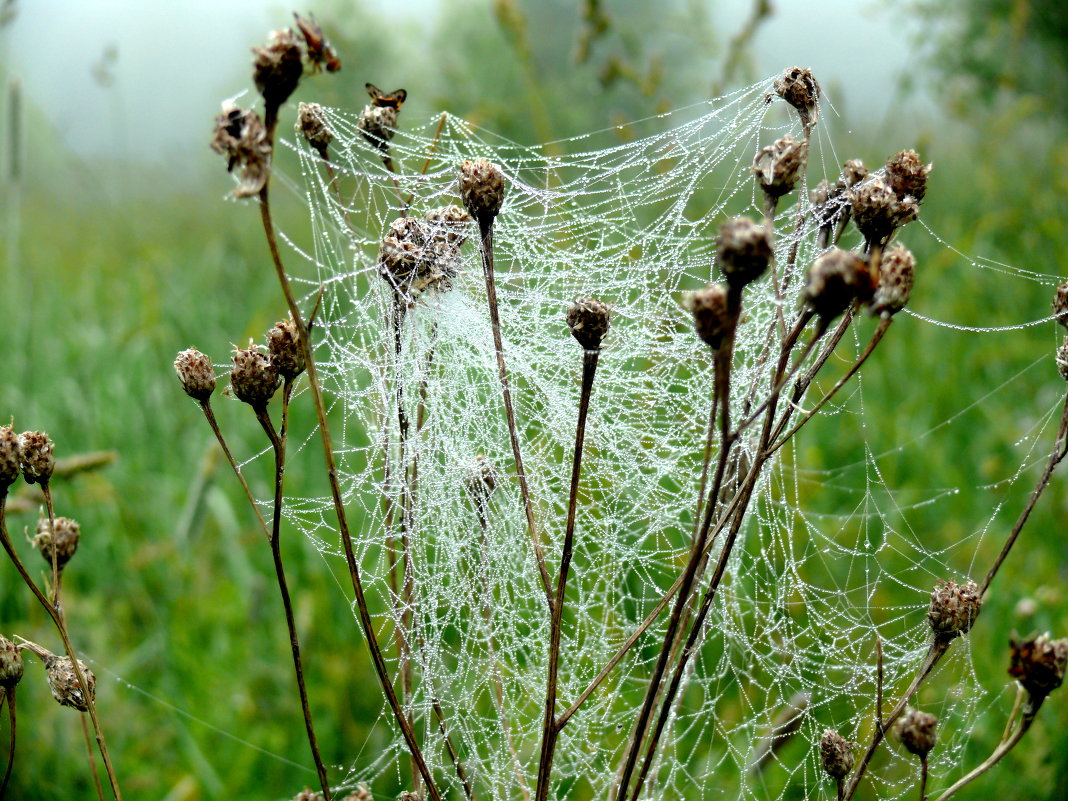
{"points": [[9, 695], [210, 416], [92, 760], [923, 777], [995, 757]]}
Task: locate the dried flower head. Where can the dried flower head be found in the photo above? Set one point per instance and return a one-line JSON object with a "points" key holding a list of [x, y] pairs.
{"points": [[480, 479], [713, 318], [378, 124], [312, 125], [36, 458], [63, 680], [853, 172], [9, 457], [778, 166], [836, 279], [361, 793], [277, 68], [482, 189], [1060, 304], [253, 378], [916, 730], [307, 794], [907, 175], [196, 374], [1062, 359], [63, 539], [11, 666], [800, 89], [1039, 664], [878, 210], [415, 257], [589, 320], [450, 223], [836, 754], [895, 281], [743, 251], [954, 608], [242, 138], [283, 344], [408, 795]]}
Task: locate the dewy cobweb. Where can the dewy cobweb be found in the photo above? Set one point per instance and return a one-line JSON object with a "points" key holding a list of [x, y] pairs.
{"points": [[631, 220]]}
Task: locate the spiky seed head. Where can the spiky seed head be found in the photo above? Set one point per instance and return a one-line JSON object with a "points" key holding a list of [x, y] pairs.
{"points": [[778, 166], [954, 608], [241, 136], [11, 666], [853, 172], [1060, 303], [916, 730], [743, 251], [800, 89], [450, 223], [878, 211], [713, 319], [895, 281], [836, 754], [253, 378], [1062, 359], [907, 175], [589, 320], [63, 539], [417, 255], [1039, 664], [277, 68], [63, 682], [312, 125], [480, 479], [835, 280], [36, 458], [283, 344], [9, 456], [196, 374], [482, 189], [378, 124]]}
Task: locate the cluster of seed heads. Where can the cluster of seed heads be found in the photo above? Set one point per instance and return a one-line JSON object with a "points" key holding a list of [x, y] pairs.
{"points": [[421, 254], [30, 453]]}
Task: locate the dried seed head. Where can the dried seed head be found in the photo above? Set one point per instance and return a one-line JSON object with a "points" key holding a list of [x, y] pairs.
{"points": [[836, 279], [895, 281], [916, 730], [907, 175], [1062, 359], [712, 316], [253, 378], [283, 344], [836, 754], [1060, 304], [480, 479], [778, 166], [378, 124], [11, 666], [1038, 663], [63, 682], [798, 88], [954, 608], [450, 223], [743, 251], [853, 172], [482, 189], [63, 539], [408, 795], [36, 458], [878, 210], [311, 124], [277, 67], [589, 320], [196, 374], [417, 255], [361, 793], [9, 457], [308, 795], [820, 199], [241, 137]]}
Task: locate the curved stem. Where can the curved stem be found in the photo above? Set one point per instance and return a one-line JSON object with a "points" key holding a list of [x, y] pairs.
{"points": [[9, 694], [993, 759], [209, 414]]}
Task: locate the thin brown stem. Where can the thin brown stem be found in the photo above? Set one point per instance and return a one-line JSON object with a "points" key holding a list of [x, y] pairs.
{"points": [[923, 777], [879, 682], [57, 577], [994, 758], [92, 760], [430, 152], [9, 695], [209, 414], [461, 774]]}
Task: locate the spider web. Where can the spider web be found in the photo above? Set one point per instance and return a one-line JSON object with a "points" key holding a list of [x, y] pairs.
{"points": [[628, 215]]}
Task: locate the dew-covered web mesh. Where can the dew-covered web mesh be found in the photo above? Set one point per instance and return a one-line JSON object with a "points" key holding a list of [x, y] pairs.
{"points": [[630, 219]]}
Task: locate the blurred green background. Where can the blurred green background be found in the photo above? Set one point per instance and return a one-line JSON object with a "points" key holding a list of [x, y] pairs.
{"points": [[120, 248]]}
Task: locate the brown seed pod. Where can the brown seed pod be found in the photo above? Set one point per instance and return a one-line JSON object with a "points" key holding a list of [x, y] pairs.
{"points": [[954, 608], [63, 539], [1060, 304], [778, 166], [878, 211], [449, 223], [836, 754], [713, 319], [743, 251], [312, 125], [1039, 664], [800, 89], [835, 280], [63, 682], [253, 378], [895, 281], [916, 730], [482, 189], [307, 794], [283, 344], [11, 667], [417, 256], [1062, 359], [196, 374], [907, 175], [277, 68], [9, 457], [378, 124], [589, 320], [36, 457], [241, 136]]}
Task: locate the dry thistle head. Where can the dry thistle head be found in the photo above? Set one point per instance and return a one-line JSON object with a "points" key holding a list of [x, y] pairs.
{"points": [[743, 251], [62, 679], [36, 458], [916, 730], [450, 223], [482, 189], [307, 794], [907, 175], [408, 795], [63, 539], [277, 68], [800, 89], [778, 166], [1062, 359], [712, 316], [480, 479], [1039, 664], [954, 608], [895, 281], [416, 256], [1060, 304], [378, 124], [9, 457], [878, 210], [361, 793], [11, 666], [283, 344], [196, 374], [835, 280], [836, 755], [253, 378], [853, 172], [589, 320], [311, 124], [242, 138]]}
